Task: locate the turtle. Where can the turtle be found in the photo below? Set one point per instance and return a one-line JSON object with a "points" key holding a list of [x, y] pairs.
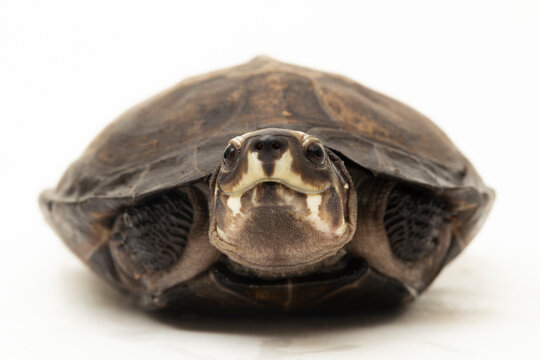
{"points": [[269, 187]]}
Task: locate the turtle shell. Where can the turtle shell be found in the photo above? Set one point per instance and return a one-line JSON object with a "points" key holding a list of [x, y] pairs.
{"points": [[178, 137]]}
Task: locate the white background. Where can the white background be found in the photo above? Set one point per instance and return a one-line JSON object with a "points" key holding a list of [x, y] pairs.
{"points": [[67, 69]]}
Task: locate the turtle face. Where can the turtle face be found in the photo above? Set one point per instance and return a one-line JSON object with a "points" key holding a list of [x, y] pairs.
{"points": [[282, 205]]}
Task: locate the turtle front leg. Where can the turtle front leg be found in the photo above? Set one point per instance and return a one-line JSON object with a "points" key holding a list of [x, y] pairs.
{"points": [[403, 232], [162, 242]]}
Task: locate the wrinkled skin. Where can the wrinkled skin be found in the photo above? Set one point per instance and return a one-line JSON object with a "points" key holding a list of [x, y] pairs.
{"points": [[280, 206]]}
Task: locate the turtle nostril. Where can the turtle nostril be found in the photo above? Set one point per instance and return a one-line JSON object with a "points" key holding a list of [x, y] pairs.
{"points": [[276, 145], [259, 145]]}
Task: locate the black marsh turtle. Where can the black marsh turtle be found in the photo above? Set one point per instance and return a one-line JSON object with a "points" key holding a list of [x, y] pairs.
{"points": [[269, 186]]}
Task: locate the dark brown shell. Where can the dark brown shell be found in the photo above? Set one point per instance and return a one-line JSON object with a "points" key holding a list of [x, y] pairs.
{"points": [[178, 137]]}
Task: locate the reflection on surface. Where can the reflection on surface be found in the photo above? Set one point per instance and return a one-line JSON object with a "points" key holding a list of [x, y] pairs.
{"points": [[86, 289], [453, 302]]}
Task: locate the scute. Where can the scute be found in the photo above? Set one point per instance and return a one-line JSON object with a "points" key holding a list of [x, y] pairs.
{"points": [[178, 136]]}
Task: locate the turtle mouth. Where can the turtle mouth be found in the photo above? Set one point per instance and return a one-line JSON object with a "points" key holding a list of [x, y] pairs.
{"points": [[347, 269], [272, 181]]}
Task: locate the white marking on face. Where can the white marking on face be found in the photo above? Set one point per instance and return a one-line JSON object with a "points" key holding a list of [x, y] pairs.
{"points": [[234, 204], [314, 204], [283, 169], [283, 173]]}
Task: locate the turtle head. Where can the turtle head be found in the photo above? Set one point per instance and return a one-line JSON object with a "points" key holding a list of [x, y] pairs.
{"points": [[282, 204]]}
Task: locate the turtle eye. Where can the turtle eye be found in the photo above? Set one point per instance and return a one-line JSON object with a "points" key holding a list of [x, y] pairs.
{"points": [[315, 153], [229, 156]]}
